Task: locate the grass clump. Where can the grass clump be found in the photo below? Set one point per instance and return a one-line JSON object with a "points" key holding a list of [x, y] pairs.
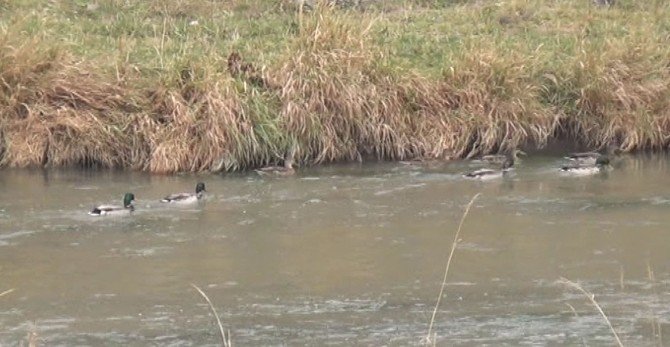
{"points": [[204, 85]]}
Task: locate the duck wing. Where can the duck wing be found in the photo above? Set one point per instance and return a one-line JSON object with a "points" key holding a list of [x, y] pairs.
{"points": [[480, 173], [177, 197], [269, 169], [581, 170], [583, 156], [580, 166], [104, 209], [576, 164], [494, 158], [275, 170]]}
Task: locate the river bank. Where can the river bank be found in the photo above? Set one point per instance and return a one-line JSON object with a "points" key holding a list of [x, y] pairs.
{"points": [[197, 86]]}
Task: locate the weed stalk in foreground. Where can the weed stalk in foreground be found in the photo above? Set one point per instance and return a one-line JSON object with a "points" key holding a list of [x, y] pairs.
{"points": [[225, 338], [592, 298], [446, 269], [6, 292]]}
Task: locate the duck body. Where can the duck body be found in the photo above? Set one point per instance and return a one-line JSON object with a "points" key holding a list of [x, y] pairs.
{"points": [[485, 174], [489, 174], [499, 159], [276, 171], [600, 164], [493, 158], [591, 158], [586, 158], [186, 198], [581, 170], [115, 210]]}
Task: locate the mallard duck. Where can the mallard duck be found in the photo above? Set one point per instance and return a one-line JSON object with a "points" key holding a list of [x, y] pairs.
{"points": [[187, 198], [590, 158], [286, 170], [127, 208], [501, 158], [580, 169], [487, 174]]}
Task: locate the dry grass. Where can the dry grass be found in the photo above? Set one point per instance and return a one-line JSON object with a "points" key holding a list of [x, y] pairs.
{"points": [[592, 299], [150, 86], [656, 326], [6, 292], [429, 335], [225, 337]]}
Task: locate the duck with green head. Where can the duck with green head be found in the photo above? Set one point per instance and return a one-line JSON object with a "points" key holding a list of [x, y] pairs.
{"points": [[187, 198], [127, 208]]}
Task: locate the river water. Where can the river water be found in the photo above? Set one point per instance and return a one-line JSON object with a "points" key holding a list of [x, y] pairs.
{"points": [[339, 255]]}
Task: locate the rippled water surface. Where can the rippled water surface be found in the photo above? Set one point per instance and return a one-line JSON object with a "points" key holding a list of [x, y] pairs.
{"points": [[338, 255]]}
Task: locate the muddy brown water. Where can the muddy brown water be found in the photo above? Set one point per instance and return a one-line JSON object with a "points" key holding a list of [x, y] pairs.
{"points": [[339, 255]]}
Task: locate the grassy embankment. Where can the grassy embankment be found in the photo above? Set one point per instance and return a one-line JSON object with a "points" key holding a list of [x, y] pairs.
{"points": [[149, 85]]}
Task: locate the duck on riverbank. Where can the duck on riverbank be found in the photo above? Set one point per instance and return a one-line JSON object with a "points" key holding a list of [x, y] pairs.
{"points": [[187, 198], [104, 210]]}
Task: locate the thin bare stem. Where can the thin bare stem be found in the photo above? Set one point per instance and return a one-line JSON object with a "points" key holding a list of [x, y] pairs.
{"points": [[6, 292], [576, 316], [592, 298], [32, 337], [446, 269], [224, 339], [573, 310]]}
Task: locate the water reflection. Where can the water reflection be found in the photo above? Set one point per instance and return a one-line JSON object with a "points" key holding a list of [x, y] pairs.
{"points": [[342, 255]]}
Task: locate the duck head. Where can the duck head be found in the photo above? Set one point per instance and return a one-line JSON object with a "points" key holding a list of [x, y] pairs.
{"points": [[603, 160], [613, 149], [288, 163], [199, 188], [290, 156], [508, 163]]}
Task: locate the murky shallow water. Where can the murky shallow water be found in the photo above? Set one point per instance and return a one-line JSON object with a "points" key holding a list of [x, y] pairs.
{"points": [[340, 255]]}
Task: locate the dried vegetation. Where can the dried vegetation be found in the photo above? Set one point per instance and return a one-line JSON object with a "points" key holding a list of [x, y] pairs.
{"points": [[193, 86]]}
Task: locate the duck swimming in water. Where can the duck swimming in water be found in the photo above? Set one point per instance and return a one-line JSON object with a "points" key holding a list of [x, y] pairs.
{"points": [[590, 158], [286, 170], [488, 174], [500, 159], [187, 198], [126, 209], [580, 169]]}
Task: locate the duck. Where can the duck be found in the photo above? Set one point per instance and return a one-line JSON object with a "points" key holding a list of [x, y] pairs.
{"points": [[187, 198], [580, 169], [590, 158], [500, 159], [488, 174], [126, 209], [286, 170]]}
